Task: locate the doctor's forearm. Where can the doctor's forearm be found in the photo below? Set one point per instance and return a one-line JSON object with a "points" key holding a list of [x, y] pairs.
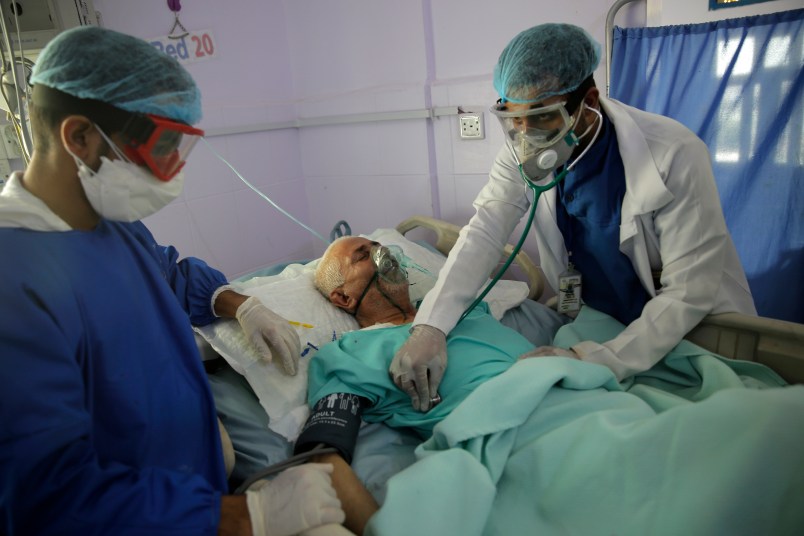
{"points": [[235, 519], [227, 302]]}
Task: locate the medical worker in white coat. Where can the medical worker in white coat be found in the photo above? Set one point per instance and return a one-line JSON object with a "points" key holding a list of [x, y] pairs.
{"points": [[635, 224]]}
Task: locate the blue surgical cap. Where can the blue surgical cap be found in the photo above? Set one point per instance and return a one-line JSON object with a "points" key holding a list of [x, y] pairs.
{"points": [[546, 60], [89, 62]]}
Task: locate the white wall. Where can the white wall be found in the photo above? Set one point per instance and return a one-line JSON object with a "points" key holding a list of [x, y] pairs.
{"points": [[384, 55], [249, 81], [312, 58]]}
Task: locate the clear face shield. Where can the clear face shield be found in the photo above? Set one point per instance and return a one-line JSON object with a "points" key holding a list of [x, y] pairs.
{"points": [[541, 138], [529, 131]]}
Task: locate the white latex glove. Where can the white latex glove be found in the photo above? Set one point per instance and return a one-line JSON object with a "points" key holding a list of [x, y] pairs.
{"points": [[419, 365], [270, 334], [328, 530], [298, 499], [548, 351]]}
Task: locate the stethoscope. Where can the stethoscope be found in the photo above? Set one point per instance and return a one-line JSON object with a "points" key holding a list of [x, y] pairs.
{"points": [[537, 192]]}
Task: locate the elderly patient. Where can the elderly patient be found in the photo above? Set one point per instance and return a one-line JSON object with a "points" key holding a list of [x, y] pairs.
{"points": [[349, 380]]}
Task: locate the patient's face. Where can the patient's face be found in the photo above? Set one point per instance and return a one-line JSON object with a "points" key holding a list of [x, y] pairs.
{"points": [[358, 268], [354, 253]]}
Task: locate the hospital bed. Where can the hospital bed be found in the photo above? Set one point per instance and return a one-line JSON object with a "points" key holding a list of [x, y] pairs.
{"points": [[263, 410]]}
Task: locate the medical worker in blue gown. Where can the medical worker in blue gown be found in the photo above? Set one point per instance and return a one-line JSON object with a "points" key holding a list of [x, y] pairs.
{"points": [[108, 423], [635, 225]]}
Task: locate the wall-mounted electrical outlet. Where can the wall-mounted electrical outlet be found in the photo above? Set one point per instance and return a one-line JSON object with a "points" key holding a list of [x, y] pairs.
{"points": [[471, 126]]}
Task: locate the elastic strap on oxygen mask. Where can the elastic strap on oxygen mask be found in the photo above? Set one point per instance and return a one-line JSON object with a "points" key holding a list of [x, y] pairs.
{"points": [[387, 268]]}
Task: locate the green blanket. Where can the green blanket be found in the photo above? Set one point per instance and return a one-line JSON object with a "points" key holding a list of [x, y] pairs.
{"points": [[699, 445]]}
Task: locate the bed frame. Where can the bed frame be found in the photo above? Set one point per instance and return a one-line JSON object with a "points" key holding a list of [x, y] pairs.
{"points": [[777, 344]]}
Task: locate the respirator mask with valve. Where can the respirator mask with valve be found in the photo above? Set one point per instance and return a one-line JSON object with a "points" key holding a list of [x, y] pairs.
{"points": [[541, 139]]}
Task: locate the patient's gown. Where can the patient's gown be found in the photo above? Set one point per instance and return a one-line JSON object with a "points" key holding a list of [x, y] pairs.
{"points": [[108, 423], [478, 348]]}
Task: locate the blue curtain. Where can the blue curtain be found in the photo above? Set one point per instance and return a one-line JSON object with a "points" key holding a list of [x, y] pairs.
{"points": [[738, 84]]}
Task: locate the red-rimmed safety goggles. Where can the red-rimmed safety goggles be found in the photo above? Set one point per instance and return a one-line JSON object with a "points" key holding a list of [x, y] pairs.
{"points": [[149, 140], [161, 144]]}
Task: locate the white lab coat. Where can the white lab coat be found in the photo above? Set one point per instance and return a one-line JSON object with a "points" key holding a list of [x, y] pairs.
{"points": [[671, 223]]}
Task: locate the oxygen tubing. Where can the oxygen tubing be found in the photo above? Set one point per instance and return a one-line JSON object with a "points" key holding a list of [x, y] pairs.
{"points": [[340, 227]]}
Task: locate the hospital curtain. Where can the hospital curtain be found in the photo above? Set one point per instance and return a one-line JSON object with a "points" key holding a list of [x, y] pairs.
{"points": [[738, 84]]}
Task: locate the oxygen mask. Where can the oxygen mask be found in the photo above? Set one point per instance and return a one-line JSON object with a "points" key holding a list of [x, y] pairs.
{"points": [[390, 264], [388, 276]]}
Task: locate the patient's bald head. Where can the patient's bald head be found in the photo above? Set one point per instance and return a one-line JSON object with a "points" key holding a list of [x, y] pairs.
{"points": [[328, 273], [347, 276], [347, 255]]}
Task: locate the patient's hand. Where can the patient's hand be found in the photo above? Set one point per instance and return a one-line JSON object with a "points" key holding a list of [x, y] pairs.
{"points": [[549, 351], [356, 501]]}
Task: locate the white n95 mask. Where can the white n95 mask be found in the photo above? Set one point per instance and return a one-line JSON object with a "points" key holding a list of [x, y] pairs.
{"points": [[122, 191], [543, 162], [541, 138]]}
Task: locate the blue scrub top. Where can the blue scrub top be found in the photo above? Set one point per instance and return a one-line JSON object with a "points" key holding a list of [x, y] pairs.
{"points": [[108, 423], [588, 211]]}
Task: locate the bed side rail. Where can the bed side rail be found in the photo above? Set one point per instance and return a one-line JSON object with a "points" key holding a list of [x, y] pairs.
{"points": [[446, 234], [776, 343]]}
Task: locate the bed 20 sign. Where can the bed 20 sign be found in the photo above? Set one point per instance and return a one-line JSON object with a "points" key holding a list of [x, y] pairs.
{"points": [[195, 46]]}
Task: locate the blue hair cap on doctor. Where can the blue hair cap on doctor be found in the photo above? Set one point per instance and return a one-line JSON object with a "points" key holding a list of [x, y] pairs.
{"points": [[543, 61], [129, 73]]}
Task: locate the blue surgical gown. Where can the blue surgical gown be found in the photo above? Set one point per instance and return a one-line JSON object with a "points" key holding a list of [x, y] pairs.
{"points": [[108, 423]]}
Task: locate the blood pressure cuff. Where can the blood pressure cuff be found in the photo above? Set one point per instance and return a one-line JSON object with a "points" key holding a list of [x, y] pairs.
{"points": [[334, 421]]}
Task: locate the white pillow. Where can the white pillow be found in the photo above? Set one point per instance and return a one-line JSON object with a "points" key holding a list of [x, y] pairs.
{"points": [[293, 295]]}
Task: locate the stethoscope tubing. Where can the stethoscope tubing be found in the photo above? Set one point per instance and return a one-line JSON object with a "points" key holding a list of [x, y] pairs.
{"points": [[537, 192]]}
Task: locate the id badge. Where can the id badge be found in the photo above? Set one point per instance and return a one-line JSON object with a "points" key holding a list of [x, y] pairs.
{"points": [[569, 291]]}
